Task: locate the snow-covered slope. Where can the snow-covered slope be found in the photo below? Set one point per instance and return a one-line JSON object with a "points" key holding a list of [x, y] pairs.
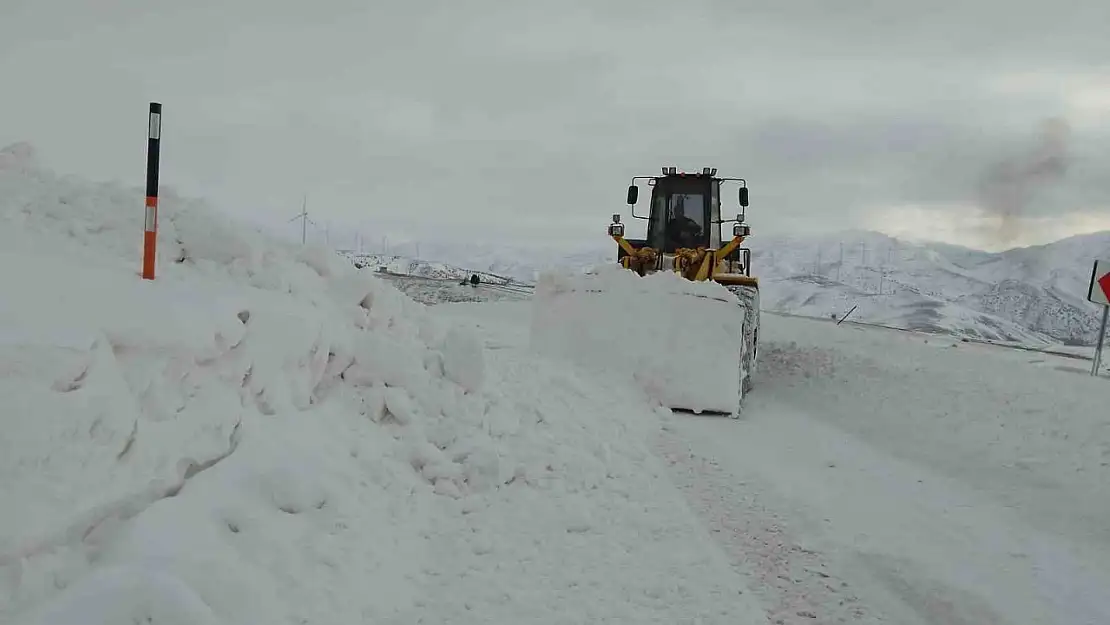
{"points": [[1038, 290], [1044, 287], [266, 435]]}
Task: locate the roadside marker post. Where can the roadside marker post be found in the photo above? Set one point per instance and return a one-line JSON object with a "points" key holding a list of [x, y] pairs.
{"points": [[150, 224], [1099, 293]]}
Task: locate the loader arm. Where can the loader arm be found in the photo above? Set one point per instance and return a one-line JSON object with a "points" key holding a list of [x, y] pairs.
{"points": [[729, 248], [625, 245], [636, 259]]}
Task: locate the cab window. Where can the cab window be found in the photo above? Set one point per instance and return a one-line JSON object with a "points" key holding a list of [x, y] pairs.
{"points": [[686, 225]]}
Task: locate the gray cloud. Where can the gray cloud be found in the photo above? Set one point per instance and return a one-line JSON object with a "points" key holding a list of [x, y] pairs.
{"points": [[495, 119]]}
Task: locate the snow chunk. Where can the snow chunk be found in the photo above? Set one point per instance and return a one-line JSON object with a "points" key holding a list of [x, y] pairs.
{"points": [[680, 340]]}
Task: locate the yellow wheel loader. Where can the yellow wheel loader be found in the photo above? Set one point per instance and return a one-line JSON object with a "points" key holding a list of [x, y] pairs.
{"points": [[692, 339]]}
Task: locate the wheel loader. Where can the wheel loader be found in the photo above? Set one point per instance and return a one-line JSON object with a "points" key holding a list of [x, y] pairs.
{"points": [[678, 312], [684, 236]]}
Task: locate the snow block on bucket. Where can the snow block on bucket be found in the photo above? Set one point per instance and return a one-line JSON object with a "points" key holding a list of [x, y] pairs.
{"points": [[681, 341]]}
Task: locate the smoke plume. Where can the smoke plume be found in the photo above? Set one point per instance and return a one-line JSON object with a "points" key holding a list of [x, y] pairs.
{"points": [[1007, 188]]}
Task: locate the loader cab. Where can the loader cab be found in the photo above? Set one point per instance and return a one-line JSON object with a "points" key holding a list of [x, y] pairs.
{"points": [[685, 212]]}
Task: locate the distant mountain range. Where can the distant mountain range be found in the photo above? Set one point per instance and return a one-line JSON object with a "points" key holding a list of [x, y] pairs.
{"points": [[1023, 294], [1030, 295]]}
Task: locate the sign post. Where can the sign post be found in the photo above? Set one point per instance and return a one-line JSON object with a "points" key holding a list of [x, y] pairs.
{"points": [[1101, 338], [1099, 293], [150, 225]]}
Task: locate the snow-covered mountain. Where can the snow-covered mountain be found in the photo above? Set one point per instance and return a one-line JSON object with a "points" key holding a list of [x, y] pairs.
{"points": [[1037, 290], [1032, 295]]}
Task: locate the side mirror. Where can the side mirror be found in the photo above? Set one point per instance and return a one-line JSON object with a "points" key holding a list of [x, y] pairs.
{"points": [[743, 196], [633, 194]]}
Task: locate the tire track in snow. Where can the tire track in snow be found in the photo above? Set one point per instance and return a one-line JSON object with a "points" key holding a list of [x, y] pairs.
{"points": [[794, 582]]}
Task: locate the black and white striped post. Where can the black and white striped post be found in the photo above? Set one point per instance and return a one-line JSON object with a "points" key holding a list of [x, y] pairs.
{"points": [[150, 227]]}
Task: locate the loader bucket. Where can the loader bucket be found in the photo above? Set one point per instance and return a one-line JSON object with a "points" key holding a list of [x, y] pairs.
{"points": [[680, 341]]}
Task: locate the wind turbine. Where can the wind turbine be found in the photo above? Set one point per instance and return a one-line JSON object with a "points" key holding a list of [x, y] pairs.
{"points": [[303, 216]]}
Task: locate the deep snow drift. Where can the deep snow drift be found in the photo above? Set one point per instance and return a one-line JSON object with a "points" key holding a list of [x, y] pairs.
{"points": [[265, 435]]}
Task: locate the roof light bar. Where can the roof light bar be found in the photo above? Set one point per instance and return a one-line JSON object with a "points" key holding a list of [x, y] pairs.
{"points": [[670, 170]]}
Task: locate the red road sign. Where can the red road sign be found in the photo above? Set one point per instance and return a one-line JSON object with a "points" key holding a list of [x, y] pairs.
{"points": [[1099, 291]]}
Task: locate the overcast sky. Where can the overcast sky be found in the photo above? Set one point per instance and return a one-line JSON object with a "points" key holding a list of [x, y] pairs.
{"points": [[490, 119]]}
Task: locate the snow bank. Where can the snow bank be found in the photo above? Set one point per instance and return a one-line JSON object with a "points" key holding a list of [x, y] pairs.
{"points": [[266, 435], [682, 341]]}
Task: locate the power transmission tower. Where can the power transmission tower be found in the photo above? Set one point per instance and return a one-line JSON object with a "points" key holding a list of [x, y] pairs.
{"points": [[841, 263]]}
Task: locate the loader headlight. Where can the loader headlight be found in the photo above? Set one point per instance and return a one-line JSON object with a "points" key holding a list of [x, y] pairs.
{"points": [[616, 230], [741, 230]]}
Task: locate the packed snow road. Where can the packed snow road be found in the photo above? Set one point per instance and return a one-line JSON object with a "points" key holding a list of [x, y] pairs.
{"points": [[880, 476]]}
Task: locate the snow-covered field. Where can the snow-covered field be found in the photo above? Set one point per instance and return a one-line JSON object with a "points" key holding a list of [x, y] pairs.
{"points": [[267, 435], [438, 291], [415, 267]]}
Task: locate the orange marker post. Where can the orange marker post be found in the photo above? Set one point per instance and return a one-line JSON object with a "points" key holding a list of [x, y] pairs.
{"points": [[150, 227]]}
